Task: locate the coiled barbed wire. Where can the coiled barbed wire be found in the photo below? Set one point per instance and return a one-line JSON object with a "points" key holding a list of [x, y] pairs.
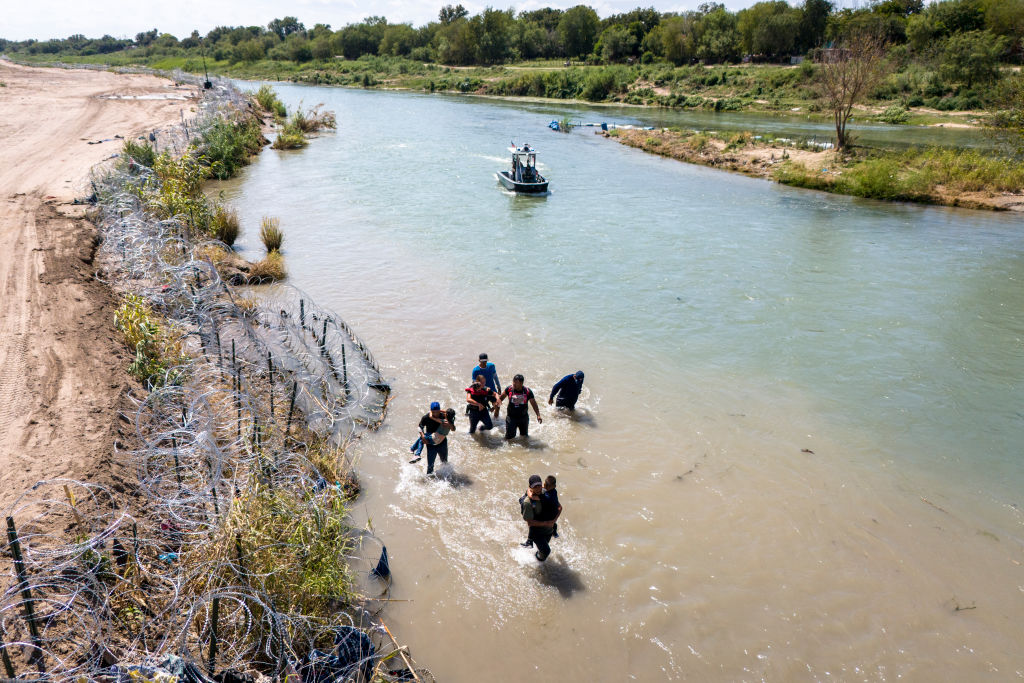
{"points": [[246, 429]]}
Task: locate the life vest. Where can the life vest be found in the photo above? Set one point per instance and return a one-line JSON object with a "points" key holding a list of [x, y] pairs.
{"points": [[517, 399]]}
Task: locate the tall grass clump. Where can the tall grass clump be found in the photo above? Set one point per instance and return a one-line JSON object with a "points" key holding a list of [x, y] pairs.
{"points": [[156, 347], [179, 193], [295, 544], [141, 153], [313, 120], [290, 137], [224, 224], [270, 269], [268, 101], [270, 233]]}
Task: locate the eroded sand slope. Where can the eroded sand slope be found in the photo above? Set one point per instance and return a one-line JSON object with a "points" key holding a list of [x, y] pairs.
{"points": [[63, 377]]}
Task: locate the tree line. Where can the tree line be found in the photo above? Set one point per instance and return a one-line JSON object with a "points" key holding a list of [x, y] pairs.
{"points": [[968, 37]]}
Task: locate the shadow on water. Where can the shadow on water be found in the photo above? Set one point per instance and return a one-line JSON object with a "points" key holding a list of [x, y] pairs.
{"points": [[529, 443], [557, 574], [485, 440], [456, 480], [583, 417]]}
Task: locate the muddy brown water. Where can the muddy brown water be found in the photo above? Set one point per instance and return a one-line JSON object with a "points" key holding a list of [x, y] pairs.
{"points": [[797, 455]]}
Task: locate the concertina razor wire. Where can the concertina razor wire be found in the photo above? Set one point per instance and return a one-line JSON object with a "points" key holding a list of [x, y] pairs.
{"points": [[159, 576]]}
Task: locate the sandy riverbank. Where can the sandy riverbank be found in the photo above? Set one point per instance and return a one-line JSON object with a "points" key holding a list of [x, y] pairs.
{"points": [[62, 364]]}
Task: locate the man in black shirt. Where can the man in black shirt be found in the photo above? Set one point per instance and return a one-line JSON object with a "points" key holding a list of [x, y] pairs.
{"points": [[533, 507], [429, 424], [517, 416]]}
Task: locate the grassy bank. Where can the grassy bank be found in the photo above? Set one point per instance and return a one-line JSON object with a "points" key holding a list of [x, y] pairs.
{"points": [[950, 177], [912, 96]]}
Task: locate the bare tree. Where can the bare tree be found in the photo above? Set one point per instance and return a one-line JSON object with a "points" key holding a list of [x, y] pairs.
{"points": [[847, 73]]}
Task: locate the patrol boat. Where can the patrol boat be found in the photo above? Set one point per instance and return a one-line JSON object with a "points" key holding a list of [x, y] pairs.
{"points": [[524, 176]]}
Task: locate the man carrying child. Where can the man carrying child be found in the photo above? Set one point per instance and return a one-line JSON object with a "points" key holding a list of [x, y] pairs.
{"points": [[540, 509]]}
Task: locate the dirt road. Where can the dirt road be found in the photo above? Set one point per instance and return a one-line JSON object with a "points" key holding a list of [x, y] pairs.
{"points": [[63, 378]]}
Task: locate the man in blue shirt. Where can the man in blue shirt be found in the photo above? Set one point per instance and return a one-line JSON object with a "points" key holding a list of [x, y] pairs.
{"points": [[489, 372], [568, 389]]}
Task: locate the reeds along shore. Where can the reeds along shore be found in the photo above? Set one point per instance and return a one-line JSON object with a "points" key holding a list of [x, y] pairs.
{"points": [[952, 177], [232, 550]]}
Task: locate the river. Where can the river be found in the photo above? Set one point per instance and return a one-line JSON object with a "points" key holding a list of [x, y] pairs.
{"points": [[798, 451]]}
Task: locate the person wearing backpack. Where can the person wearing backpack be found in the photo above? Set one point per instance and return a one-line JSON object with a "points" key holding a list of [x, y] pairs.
{"points": [[532, 505], [517, 417]]}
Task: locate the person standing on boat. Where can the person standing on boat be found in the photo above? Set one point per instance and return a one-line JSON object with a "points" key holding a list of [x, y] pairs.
{"points": [[567, 390], [518, 417], [490, 373]]}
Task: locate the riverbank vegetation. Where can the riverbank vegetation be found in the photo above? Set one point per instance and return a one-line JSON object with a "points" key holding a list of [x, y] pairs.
{"points": [[302, 123], [172, 187], [946, 56], [952, 177]]}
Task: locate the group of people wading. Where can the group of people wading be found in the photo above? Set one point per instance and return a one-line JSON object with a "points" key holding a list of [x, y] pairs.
{"points": [[484, 398]]}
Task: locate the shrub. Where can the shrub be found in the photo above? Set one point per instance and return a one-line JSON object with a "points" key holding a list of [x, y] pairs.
{"points": [[156, 352], [268, 101], [895, 113], [270, 269], [797, 175], [875, 179], [270, 233], [228, 143], [142, 153], [290, 137], [224, 224]]}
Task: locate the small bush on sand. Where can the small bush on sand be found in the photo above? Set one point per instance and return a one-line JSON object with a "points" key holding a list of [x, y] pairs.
{"points": [[290, 137], [224, 224], [270, 233], [270, 269], [268, 101], [141, 152]]}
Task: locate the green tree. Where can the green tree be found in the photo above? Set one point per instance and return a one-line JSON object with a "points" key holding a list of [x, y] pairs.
{"points": [[1008, 121], [769, 28], [285, 27], [1006, 18], [456, 43], [716, 38], [250, 50], [363, 38], [495, 35], [321, 48], [398, 40], [972, 57], [617, 42], [146, 38], [449, 14], [813, 22], [578, 30], [672, 39], [546, 18]]}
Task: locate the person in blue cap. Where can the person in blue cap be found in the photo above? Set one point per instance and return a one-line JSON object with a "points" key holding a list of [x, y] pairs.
{"points": [[568, 390], [490, 373], [429, 424]]}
